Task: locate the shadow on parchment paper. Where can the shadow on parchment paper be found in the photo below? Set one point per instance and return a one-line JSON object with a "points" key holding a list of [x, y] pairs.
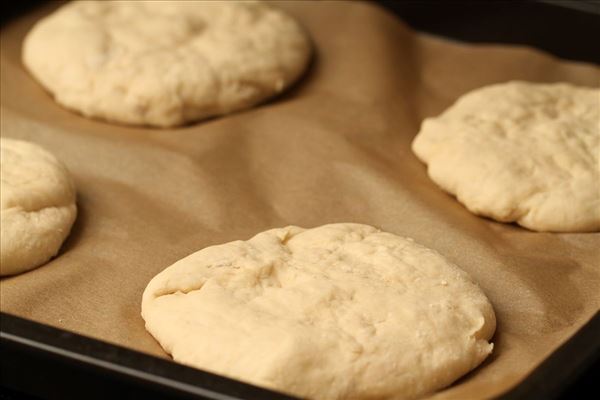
{"points": [[561, 304], [387, 173]]}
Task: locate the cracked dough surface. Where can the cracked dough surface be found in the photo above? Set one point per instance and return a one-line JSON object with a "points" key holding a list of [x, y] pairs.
{"points": [[38, 206], [520, 152], [338, 311], [165, 63]]}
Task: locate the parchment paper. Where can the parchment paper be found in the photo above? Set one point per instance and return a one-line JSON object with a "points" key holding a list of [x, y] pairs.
{"points": [[334, 149]]}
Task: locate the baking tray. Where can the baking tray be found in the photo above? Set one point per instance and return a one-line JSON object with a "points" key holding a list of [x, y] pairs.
{"points": [[53, 363]]}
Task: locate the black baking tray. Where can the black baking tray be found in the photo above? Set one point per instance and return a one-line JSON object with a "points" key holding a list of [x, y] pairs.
{"points": [[51, 363], [45, 362]]}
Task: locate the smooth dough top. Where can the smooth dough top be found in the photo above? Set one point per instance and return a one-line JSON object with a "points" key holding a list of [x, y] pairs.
{"points": [[165, 63], [338, 311], [37, 205], [520, 152]]}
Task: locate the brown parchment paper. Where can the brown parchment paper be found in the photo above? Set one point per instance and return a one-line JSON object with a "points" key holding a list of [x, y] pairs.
{"points": [[336, 148]]}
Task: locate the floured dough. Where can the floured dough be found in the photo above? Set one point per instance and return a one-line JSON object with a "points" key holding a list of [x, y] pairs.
{"points": [[521, 152], [38, 206], [165, 63], [338, 311]]}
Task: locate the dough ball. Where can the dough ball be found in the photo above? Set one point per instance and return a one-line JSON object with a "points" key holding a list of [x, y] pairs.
{"points": [[520, 152], [165, 63], [338, 311], [38, 206]]}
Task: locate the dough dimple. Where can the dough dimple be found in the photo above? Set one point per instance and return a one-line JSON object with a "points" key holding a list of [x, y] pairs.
{"points": [[165, 63], [38, 206], [338, 311], [520, 152]]}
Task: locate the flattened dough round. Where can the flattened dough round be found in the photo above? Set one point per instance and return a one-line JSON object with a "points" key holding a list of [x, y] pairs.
{"points": [[520, 152], [165, 63], [338, 311], [38, 206]]}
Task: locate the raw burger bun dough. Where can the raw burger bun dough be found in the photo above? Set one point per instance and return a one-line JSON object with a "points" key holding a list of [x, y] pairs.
{"points": [[165, 63], [38, 206], [520, 152], [338, 311]]}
